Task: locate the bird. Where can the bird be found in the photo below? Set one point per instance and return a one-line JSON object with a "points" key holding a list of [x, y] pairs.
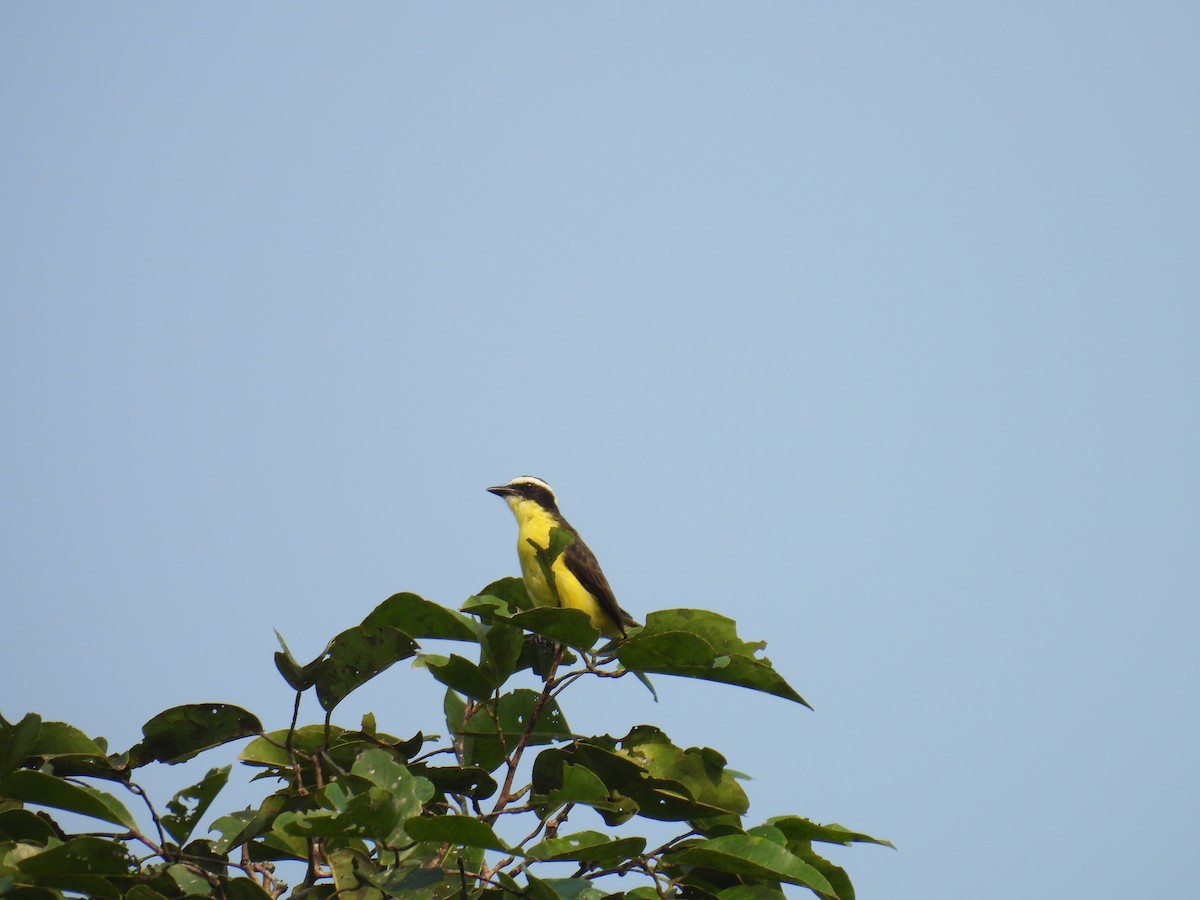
{"points": [[578, 579]]}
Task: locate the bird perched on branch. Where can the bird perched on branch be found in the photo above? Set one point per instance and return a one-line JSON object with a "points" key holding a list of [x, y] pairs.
{"points": [[578, 581]]}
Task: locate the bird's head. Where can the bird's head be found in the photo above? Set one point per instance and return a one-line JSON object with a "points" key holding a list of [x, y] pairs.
{"points": [[527, 489]]}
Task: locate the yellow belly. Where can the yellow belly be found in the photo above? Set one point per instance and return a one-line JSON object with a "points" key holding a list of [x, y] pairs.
{"points": [[571, 593]]}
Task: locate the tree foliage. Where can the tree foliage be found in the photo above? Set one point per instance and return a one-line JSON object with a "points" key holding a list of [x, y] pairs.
{"points": [[480, 813]]}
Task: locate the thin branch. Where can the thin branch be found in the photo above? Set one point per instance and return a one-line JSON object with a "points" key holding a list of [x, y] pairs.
{"points": [[140, 792], [514, 760], [431, 754]]}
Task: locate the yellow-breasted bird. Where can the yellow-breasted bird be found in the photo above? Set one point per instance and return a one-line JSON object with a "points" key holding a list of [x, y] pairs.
{"points": [[577, 576]]}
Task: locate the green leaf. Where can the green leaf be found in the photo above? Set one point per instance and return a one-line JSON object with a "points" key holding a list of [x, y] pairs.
{"points": [[39, 788], [382, 770], [701, 770], [372, 802], [299, 677], [466, 781], [353, 871], [753, 857], [419, 618], [187, 806], [560, 540], [501, 649], [143, 892], [20, 824], [756, 892], [512, 715], [836, 875], [180, 733], [356, 656], [78, 856], [562, 889], [462, 675], [578, 785], [64, 750], [538, 654], [17, 741], [455, 709], [493, 730], [626, 777], [499, 599], [243, 889], [60, 739], [415, 882], [568, 626], [588, 846], [238, 828], [465, 831], [270, 750], [191, 883], [798, 829], [695, 643]]}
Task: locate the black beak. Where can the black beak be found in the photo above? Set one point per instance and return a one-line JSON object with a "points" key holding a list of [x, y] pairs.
{"points": [[502, 490]]}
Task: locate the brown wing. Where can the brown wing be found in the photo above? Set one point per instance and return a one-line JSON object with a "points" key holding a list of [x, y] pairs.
{"points": [[582, 563]]}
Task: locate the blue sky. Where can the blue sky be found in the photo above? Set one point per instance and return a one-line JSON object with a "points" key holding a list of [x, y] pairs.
{"points": [[872, 326]]}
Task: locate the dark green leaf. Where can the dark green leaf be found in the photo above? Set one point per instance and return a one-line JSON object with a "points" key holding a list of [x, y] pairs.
{"points": [[701, 770], [455, 709], [415, 882], [836, 875], [180, 733], [381, 769], [754, 857], [464, 831], [47, 790], [538, 654], [371, 814], [538, 889], [188, 881], [419, 618], [578, 785], [23, 825], [663, 799], [143, 892], [60, 739], [372, 801], [500, 598], [187, 806], [501, 650], [201, 854], [563, 888], [493, 730], [798, 829], [510, 719], [270, 750], [78, 856], [588, 846], [299, 677], [466, 781], [756, 892], [356, 656], [243, 889], [462, 675], [239, 828], [568, 626], [352, 873], [17, 741], [696, 643]]}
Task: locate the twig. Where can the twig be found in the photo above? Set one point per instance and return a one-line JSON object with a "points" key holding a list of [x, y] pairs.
{"points": [[162, 838], [514, 759]]}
